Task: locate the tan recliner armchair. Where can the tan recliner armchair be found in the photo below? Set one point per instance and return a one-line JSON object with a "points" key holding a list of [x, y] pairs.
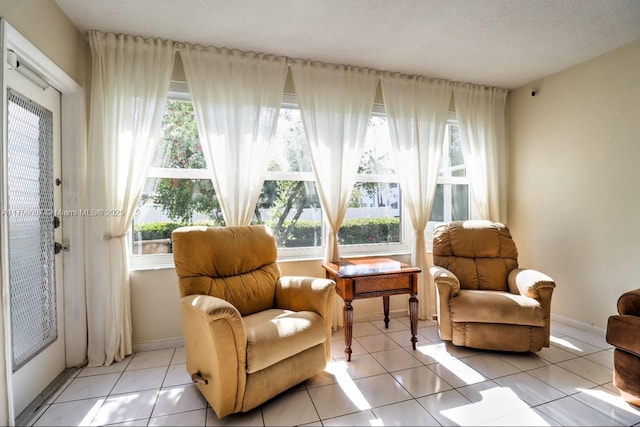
{"points": [[249, 334], [623, 332], [483, 299]]}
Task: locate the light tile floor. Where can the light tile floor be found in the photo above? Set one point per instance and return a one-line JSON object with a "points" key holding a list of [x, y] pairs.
{"points": [[386, 383]]}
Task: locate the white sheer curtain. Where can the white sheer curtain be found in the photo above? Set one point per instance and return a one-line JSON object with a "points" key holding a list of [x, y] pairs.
{"points": [[130, 80], [236, 99], [417, 110], [335, 104], [480, 112]]}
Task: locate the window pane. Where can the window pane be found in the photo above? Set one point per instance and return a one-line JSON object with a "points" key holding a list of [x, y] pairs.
{"points": [[291, 209], [452, 159], [373, 215], [169, 203], [437, 209], [455, 151], [460, 202], [179, 145], [451, 203], [377, 153], [290, 152]]}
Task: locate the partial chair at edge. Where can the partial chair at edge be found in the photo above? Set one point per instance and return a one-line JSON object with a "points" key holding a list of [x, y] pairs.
{"points": [[623, 332]]}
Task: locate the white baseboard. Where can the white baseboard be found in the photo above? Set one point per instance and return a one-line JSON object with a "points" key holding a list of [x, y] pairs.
{"points": [[158, 344], [586, 327]]}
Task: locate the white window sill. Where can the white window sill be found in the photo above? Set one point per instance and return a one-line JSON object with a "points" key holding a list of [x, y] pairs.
{"points": [[165, 261]]}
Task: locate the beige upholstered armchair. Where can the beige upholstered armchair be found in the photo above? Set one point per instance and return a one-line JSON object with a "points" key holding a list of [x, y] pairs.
{"points": [[483, 299], [249, 334]]}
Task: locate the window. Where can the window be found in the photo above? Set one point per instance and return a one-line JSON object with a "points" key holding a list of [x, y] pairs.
{"points": [[179, 191], [289, 202], [374, 213], [451, 201]]}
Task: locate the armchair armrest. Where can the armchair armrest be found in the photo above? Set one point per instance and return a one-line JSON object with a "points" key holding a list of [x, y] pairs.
{"points": [[212, 308], [529, 282], [447, 287], [536, 285], [442, 276], [305, 294], [629, 303], [215, 342]]}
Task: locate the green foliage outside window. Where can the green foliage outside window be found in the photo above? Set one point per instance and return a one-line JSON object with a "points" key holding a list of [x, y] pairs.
{"points": [[304, 234], [180, 147]]}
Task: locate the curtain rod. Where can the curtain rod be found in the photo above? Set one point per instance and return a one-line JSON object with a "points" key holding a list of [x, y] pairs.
{"points": [[180, 45]]}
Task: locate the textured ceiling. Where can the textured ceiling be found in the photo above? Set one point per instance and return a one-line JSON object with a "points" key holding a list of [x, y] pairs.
{"points": [[504, 43]]}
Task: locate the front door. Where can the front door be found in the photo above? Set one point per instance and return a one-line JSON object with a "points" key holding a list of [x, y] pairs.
{"points": [[35, 272]]}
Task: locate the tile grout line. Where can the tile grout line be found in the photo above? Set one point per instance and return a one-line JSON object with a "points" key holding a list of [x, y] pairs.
{"points": [[153, 408]]}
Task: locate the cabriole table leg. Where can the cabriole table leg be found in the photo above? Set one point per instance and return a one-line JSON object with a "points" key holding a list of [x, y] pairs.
{"points": [[348, 325], [413, 316]]}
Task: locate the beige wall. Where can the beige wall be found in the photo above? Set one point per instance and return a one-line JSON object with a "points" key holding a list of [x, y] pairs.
{"points": [[574, 176], [155, 302], [44, 25]]}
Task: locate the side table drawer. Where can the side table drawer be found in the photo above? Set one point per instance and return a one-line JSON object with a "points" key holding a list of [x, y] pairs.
{"points": [[386, 283]]}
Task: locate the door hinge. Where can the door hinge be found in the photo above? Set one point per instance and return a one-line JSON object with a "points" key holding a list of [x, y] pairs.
{"points": [[58, 247]]}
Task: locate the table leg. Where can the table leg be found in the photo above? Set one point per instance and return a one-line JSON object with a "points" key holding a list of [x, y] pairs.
{"points": [[413, 316], [348, 325], [385, 304]]}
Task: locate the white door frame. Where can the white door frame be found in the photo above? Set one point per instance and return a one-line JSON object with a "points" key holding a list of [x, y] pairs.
{"points": [[73, 117]]}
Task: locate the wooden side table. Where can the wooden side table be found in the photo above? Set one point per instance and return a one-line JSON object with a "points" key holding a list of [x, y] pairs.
{"points": [[374, 277]]}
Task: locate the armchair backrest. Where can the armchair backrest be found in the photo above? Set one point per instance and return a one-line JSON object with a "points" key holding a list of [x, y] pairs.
{"points": [[237, 264], [480, 253]]}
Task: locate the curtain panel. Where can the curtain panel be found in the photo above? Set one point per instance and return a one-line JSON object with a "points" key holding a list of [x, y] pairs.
{"points": [[335, 103], [417, 110], [130, 81], [236, 99], [481, 120]]}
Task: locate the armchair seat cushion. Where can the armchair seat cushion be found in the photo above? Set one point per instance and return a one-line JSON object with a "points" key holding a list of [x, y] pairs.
{"points": [[275, 334], [481, 306]]}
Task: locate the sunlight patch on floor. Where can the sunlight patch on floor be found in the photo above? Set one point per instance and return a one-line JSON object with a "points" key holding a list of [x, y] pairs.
{"points": [[344, 380], [439, 353], [564, 343], [496, 402], [91, 413]]}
